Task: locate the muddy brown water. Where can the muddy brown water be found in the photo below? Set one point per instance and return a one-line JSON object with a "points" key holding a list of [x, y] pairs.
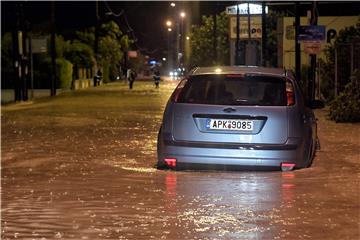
{"points": [[74, 170]]}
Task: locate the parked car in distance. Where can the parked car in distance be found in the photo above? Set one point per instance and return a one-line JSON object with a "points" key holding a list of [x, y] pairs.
{"points": [[237, 117]]}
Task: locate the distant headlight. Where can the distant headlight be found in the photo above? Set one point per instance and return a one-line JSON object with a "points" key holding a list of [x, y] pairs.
{"points": [[171, 74]]}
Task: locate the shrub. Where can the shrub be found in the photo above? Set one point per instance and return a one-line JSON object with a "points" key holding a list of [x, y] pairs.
{"points": [[64, 72], [346, 106]]}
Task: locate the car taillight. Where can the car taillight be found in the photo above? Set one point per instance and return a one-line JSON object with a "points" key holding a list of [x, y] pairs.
{"points": [[179, 88], [290, 94], [170, 162], [287, 166]]}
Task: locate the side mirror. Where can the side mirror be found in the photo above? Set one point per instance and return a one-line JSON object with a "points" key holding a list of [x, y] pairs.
{"points": [[316, 104]]}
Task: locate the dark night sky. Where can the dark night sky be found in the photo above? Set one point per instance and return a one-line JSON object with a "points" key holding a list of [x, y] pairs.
{"points": [[146, 18]]}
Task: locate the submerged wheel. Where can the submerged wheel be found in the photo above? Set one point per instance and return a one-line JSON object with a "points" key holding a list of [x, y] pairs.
{"points": [[311, 154]]}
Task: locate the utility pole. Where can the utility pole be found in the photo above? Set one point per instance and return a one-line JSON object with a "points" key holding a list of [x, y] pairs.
{"points": [[24, 63], [16, 54], [297, 44], [96, 42], [312, 72], [53, 51], [237, 47], [264, 36]]}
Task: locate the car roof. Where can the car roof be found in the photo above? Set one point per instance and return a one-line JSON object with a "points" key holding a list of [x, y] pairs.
{"points": [[241, 70]]}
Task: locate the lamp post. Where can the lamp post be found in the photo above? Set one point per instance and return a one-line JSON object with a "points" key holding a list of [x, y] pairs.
{"points": [[169, 55], [181, 39]]}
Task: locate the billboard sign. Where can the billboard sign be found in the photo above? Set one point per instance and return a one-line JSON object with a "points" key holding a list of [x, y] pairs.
{"points": [[39, 45], [255, 27], [243, 9]]}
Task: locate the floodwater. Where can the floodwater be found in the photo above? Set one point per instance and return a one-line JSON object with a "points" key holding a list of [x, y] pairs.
{"points": [[81, 166]]}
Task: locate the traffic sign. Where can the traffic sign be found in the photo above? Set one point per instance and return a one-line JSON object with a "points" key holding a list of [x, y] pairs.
{"points": [[312, 47], [312, 33]]}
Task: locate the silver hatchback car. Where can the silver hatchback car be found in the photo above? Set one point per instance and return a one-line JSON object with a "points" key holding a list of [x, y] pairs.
{"points": [[237, 117]]}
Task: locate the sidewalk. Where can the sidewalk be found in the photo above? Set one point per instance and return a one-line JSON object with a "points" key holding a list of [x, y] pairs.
{"points": [[8, 95]]}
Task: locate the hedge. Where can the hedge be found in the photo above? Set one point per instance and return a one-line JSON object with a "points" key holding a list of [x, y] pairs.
{"points": [[64, 72]]}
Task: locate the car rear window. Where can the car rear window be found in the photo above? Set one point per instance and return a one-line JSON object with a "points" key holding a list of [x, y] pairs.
{"points": [[234, 90]]}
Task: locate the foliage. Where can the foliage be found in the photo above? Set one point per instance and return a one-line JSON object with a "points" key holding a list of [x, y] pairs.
{"points": [[112, 44], [80, 54], [125, 43], [86, 36], [202, 42], [77, 53], [346, 106], [272, 37], [327, 70], [106, 71], [64, 71], [61, 46]]}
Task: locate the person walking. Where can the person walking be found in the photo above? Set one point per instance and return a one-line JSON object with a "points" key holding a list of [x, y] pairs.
{"points": [[131, 77], [156, 78]]}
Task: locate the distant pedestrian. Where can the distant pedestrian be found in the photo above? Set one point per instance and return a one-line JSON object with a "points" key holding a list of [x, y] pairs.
{"points": [[156, 78], [131, 77], [98, 78]]}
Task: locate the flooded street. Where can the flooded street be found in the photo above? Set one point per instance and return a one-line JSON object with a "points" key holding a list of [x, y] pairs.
{"points": [[82, 166]]}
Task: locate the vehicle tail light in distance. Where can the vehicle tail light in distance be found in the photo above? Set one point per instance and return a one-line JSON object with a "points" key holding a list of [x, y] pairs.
{"points": [[170, 162], [287, 166], [176, 93], [290, 94]]}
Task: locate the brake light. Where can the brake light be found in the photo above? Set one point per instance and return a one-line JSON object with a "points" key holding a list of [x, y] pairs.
{"points": [[179, 88], [170, 162], [290, 96], [287, 166]]}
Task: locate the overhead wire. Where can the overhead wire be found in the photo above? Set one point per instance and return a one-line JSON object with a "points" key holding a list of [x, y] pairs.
{"points": [[130, 29]]}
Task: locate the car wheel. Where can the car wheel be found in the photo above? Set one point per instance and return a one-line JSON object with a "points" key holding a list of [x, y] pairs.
{"points": [[311, 154], [159, 164], [318, 146]]}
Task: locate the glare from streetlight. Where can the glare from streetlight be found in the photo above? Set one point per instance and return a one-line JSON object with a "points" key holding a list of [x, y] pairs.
{"points": [[187, 38], [169, 29], [182, 14], [168, 23], [172, 4]]}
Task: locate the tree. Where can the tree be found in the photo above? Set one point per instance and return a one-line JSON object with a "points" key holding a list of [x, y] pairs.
{"points": [[80, 54], [202, 42], [327, 70], [112, 44]]}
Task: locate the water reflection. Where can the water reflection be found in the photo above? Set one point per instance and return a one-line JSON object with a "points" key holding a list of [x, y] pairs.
{"points": [[288, 188], [212, 205]]}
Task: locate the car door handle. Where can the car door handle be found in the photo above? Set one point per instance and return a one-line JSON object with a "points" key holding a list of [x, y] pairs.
{"points": [[229, 110]]}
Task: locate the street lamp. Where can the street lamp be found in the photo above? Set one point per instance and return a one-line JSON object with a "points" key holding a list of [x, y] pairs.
{"points": [[169, 29], [172, 4], [181, 38]]}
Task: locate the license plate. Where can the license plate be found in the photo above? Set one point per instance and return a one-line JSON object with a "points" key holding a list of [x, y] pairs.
{"points": [[229, 124]]}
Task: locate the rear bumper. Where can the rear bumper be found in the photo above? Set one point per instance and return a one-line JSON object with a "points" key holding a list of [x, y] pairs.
{"points": [[191, 155]]}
